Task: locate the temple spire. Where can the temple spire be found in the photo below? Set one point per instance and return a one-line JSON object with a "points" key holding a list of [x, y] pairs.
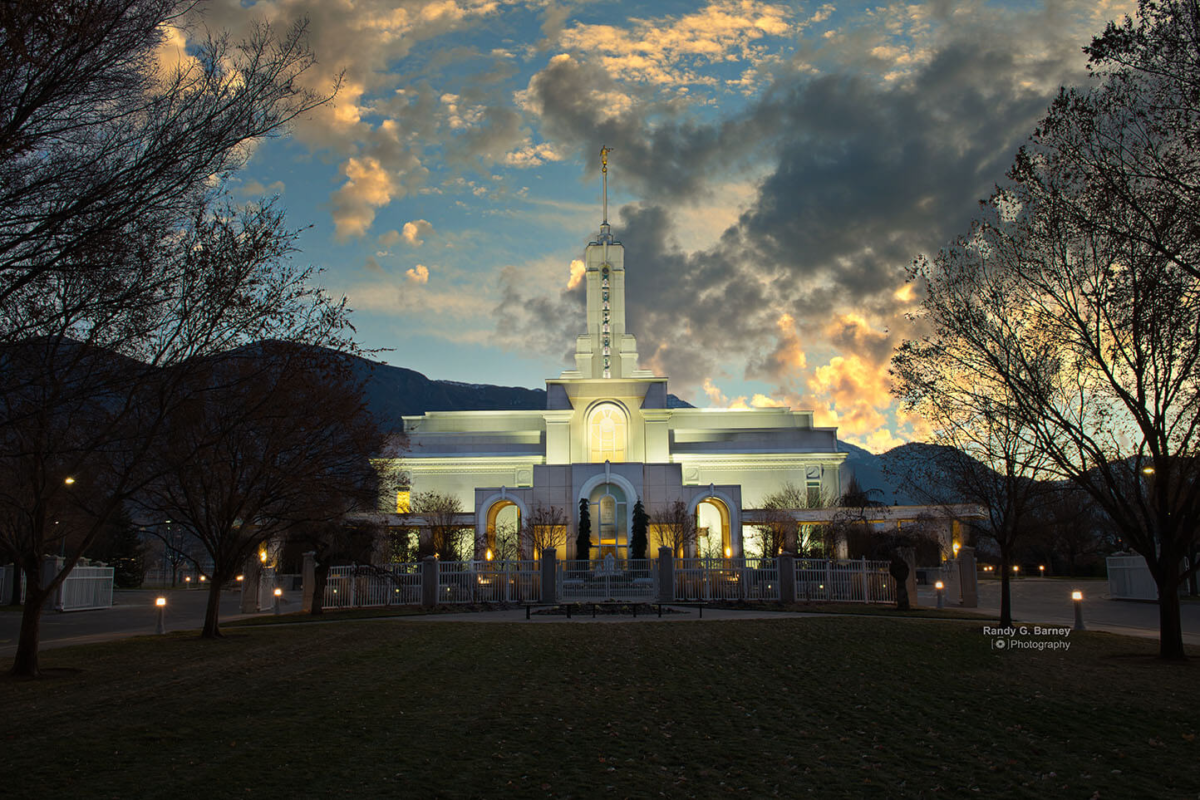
{"points": [[605, 231]]}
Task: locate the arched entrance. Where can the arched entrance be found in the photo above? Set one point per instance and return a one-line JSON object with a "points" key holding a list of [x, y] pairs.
{"points": [[712, 528], [503, 531], [610, 509]]}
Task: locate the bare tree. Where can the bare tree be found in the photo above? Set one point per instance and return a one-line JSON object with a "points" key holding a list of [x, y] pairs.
{"points": [[449, 539], [544, 527], [1076, 296], [675, 528], [118, 257], [276, 439], [779, 531]]}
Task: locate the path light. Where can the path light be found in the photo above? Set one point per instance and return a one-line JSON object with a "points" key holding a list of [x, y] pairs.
{"points": [[241, 578], [941, 594], [1016, 569], [1042, 570], [1077, 599], [202, 579], [187, 581], [69, 480], [278, 594], [161, 602]]}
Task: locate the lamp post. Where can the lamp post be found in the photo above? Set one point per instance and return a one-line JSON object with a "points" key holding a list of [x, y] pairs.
{"points": [[161, 602], [941, 594], [1041, 570], [1077, 599], [278, 594]]}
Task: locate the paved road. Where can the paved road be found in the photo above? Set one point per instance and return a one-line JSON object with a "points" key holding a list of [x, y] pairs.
{"points": [[1049, 600], [1034, 600], [133, 614]]}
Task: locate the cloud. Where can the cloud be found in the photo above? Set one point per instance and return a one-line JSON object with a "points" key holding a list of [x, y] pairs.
{"points": [[368, 186], [388, 239], [578, 270], [418, 274], [670, 50], [413, 231]]}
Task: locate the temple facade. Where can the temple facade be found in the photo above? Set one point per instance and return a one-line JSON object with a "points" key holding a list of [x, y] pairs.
{"points": [[609, 437]]}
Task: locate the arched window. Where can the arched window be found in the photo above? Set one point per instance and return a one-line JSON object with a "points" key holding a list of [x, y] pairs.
{"points": [[608, 432]]}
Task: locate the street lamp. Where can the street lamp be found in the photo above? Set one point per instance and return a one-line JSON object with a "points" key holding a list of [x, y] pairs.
{"points": [[161, 602]]}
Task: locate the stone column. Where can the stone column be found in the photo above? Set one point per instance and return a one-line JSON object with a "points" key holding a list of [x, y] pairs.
{"points": [[51, 566], [549, 569], [953, 582], [666, 575], [429, 582], [787, 577], [968, 577], [909, 555], [309, 581], [251, 574]]}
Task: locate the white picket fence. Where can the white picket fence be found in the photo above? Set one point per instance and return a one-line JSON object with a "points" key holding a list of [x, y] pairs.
{"points": [[1129, 578], [86, 588], [9, 574], [632, 580], [704, 579], [371, 586], [846, 581]]}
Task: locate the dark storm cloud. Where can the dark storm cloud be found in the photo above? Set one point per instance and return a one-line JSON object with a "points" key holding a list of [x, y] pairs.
{"points": [[865, 175]]}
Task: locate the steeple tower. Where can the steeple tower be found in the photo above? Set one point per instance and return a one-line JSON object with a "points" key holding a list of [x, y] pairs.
{"points": [[606, 350]]}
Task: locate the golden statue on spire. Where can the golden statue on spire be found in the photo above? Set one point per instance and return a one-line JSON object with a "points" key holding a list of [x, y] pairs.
{"points": [[604, 151]]}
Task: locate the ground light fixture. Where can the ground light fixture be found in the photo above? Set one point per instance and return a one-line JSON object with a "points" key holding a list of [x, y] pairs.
{"points": [[161, 602], [1042, 570], [278, 594], [1077, 599], [941, 594]]}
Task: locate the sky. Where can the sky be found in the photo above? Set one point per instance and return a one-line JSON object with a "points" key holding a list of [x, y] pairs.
{"points": [[775, 167]]}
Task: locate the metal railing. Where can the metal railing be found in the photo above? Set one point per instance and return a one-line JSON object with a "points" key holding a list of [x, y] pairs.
{"points": [[362, 586], [507, 581], [610, 579], [705, 579], [827, 580]]}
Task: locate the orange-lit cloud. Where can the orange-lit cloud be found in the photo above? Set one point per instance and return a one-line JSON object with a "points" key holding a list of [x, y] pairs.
{"points": [[578, 269], [418, 274], [368, 186], [413, 231]]}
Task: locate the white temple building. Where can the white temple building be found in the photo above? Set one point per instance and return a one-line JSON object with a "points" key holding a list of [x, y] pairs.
{"points": [[608, 435]]}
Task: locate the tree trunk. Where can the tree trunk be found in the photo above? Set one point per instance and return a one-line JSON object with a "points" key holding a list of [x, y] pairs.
{"points": [[1005, 594], [1170, 632], [18, 576], [25, 663], [212, 609], [320, 579]]}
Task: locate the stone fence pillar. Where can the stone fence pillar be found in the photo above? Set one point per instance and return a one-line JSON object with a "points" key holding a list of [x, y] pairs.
{"points": [[309, 581], [787, 577], [429, 582], [968, 577], [51, 566], [251, 575], [666, 575], [549, 569]]}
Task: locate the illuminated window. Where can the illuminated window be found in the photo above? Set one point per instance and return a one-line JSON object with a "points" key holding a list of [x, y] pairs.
{"points": [[610, 512], [608, 433], [403, 501]]}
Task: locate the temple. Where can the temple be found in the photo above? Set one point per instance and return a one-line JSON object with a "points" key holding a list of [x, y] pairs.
{"points": [[609, 436]]}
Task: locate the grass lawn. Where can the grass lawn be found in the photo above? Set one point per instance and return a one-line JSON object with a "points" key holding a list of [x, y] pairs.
{"points": [[822, 707]]}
